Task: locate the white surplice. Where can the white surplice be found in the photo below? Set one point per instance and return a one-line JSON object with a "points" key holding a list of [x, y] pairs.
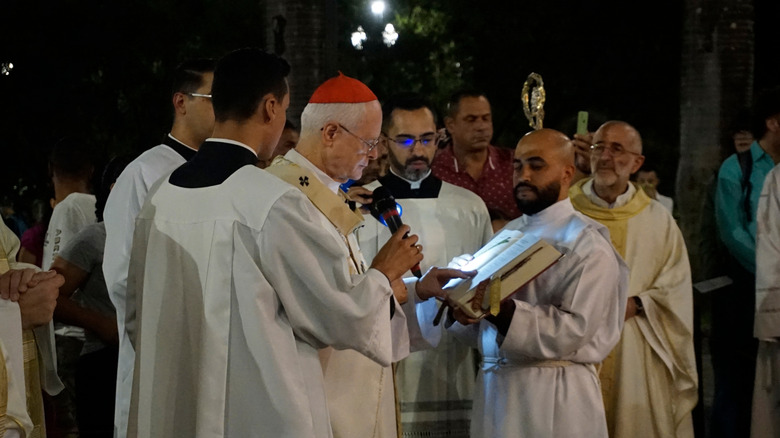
{"points": [[122, 207], [540, 380], [435, 386], [237, 287], [766, 393]]}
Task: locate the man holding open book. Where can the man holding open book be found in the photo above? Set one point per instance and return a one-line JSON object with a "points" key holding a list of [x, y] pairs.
{"points": [[538, 376]]}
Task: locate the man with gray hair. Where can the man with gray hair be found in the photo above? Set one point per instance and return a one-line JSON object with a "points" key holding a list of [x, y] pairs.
{"points": [[340, 130], [649, 380]]}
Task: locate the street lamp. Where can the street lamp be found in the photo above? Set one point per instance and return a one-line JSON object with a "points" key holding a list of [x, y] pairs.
{"points": [[378, 7], [5, 68], [389, 35], [358, 37]]}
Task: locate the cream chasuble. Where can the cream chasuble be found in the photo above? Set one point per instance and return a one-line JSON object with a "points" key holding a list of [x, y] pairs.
{"points": [[649, 381]]}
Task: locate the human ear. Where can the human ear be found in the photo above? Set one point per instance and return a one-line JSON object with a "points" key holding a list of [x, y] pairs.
{"points": [[448, 123], [328, 133], [638, 161], [178, 103], [270, 108]]}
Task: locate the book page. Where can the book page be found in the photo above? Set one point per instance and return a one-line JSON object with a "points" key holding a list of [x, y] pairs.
{"points": [[495, 246], [496, 256]]}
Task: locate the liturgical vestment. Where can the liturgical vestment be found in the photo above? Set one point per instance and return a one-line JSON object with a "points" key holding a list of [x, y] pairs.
{"points": [[237, 280], [122, 207], [653, 366], [540, 379]]}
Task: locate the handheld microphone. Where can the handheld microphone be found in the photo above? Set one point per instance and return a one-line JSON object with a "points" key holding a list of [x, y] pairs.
{"points": [[383, 208]]}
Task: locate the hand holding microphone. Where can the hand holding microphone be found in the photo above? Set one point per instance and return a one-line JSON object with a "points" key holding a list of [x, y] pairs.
{"points": [[400, 245]]}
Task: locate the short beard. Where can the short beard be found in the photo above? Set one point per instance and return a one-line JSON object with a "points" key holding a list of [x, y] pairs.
{"points": [[407, 172], [545, 197]]}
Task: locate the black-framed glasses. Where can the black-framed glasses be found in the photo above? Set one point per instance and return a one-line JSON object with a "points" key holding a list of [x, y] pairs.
{"points": [[617, 150], [407, 142], [370, 144], [207, 96]]}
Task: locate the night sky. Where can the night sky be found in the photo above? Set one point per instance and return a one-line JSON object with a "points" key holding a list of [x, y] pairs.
{"points": [[99, 70]]}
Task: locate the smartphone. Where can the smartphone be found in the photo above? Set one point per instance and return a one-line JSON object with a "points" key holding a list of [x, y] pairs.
{"points": [[582, 122]]}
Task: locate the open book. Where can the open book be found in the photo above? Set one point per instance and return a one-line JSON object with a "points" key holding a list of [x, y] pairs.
{"points": [[511, 256]]}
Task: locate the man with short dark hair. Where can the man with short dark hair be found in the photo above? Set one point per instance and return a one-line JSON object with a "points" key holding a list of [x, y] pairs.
{"points": [[649, 380], [450, 221], [239, 276], [193, 122], [471, 161]]}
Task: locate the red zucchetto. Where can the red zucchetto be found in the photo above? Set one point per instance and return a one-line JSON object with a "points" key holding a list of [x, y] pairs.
{"points": [[342, 89]]}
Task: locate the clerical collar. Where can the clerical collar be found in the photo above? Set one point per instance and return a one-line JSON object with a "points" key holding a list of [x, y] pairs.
{"points": [[177, 145], [304, 162], [215, 161], [414, 185], [620, 201], [402, 188]]}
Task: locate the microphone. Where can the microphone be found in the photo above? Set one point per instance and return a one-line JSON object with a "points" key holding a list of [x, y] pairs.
{"points": [[384, 209]]}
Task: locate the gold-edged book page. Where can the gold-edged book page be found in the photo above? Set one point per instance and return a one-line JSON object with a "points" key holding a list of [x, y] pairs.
{"points": [[512, 256]]}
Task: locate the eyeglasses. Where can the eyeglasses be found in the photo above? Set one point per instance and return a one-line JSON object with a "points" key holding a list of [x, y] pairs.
{"points": [[406, 142], [370, 144], [207, 96], [615, 149]]}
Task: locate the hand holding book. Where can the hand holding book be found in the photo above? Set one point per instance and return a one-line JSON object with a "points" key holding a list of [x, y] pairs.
{"points": [[505, 264]]}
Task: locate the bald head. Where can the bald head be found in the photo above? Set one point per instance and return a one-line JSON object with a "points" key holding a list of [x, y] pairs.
{"points": [[553, 143], [544, 167], [633, 141], [617, 154]]}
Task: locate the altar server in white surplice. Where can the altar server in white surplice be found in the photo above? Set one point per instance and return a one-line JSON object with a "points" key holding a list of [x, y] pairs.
{"points": [[435, 387], [766, 394], [538, 376], [649, 381], [239, 276], [193, 122]]}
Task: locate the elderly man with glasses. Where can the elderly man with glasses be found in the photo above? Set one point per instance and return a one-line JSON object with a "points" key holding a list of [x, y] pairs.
{"points": [[434, 386], [649, 380]]}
